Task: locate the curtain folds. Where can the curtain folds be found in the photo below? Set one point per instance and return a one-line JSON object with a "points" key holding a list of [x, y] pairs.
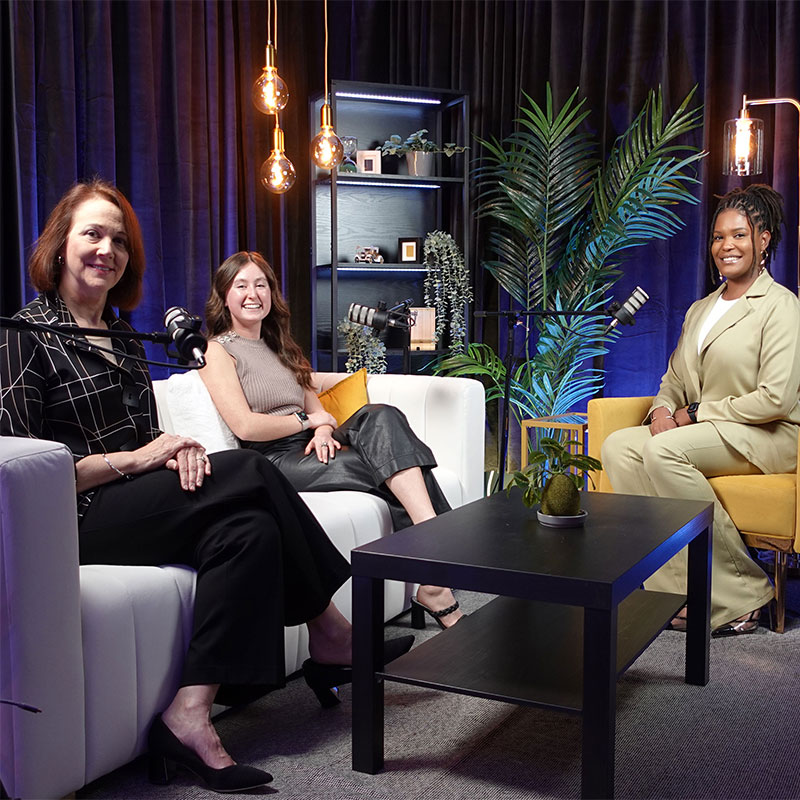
{"points": [[156, 96]]}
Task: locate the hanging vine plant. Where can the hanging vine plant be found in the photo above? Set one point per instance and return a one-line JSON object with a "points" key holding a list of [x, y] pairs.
{"points": [[364, 348], [447, 288]]}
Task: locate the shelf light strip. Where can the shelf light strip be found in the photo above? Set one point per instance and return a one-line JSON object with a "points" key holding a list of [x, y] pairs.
{"points": [[380, 269], [392, 98], [397, 185]]}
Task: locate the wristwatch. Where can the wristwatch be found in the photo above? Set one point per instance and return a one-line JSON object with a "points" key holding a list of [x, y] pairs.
{"points": [[304, 420], [691, 410]]}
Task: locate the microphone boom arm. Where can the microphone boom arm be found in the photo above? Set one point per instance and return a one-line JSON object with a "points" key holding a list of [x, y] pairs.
{"points": [[68, 332]]}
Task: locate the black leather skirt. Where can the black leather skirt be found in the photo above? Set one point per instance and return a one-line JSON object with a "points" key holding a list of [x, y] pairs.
{"points": [[377, 443]]}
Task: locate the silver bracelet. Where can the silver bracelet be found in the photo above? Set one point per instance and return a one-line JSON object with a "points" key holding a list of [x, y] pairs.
{"points": [[118, 471]]}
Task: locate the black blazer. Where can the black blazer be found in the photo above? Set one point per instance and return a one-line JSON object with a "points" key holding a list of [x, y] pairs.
{"points": [[67, 391]]}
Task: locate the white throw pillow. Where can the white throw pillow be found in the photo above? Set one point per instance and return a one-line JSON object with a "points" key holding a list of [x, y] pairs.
{"points": [[194, 413]]}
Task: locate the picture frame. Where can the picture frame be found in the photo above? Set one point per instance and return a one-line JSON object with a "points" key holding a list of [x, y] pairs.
{"points": [[409, 250], [369, 161]]}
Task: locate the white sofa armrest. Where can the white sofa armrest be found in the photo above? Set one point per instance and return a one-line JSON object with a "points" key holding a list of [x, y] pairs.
{"points": [[41, 661]]}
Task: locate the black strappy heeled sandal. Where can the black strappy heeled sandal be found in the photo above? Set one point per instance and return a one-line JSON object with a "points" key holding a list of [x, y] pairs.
{"points": [[738, 627], [418, 612]]}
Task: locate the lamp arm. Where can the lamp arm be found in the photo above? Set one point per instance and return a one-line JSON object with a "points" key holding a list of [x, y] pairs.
{"points": [[771, 101]]}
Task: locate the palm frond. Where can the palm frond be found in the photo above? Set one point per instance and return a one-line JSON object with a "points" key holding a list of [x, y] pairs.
{"points": [[532, 185], [643, 177]]}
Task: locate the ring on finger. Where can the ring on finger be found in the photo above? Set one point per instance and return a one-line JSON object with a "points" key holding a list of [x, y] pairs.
{"points": [[324, 444]]}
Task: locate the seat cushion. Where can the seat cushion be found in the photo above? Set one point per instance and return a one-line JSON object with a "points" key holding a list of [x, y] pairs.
{"points": [[760, 504]]}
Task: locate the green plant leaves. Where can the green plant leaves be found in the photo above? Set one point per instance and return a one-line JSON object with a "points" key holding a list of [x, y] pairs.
{"points": [[560, 221]]}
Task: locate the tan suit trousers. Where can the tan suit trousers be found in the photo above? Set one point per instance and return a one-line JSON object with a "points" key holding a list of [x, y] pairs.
{"points": [[676, 463]]}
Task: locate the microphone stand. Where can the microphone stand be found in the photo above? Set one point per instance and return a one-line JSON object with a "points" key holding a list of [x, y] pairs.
{"points": [[68, 332], [513, 319]]}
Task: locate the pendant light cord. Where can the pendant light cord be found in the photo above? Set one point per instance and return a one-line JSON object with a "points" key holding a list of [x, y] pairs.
{"points": [[325, 7], [276, 24]]}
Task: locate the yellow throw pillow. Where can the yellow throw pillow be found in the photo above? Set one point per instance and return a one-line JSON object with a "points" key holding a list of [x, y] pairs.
{"points": [[346, 397]]}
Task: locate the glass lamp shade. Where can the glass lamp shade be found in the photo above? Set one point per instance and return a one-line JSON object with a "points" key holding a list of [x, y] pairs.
{"points": [[270, 93], [744, 146], [277, 172], [327, 150]]}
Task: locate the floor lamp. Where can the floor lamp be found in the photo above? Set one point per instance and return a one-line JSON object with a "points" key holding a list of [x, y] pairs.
{"points": [[744, 149]]}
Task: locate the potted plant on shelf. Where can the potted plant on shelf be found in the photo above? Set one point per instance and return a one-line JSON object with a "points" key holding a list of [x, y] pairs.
{"points": [[418, 150], [553, 479]]}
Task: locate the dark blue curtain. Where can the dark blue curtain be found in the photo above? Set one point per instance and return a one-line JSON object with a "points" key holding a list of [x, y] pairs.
{"points": [[156, 96]]}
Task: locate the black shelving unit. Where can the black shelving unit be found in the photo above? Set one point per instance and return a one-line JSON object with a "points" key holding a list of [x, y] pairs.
{"points": [[351, 210]]}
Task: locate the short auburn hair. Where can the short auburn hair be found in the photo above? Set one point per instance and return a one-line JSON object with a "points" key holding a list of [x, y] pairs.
{"points": [[44, 267]]}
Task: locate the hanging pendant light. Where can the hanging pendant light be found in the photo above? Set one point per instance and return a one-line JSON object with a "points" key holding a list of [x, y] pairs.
{"points": [[270, 93], [277, 172], [327, 151]]}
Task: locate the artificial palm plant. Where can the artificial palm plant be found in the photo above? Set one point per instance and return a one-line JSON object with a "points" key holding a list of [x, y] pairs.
{"points": [[560, 221]]}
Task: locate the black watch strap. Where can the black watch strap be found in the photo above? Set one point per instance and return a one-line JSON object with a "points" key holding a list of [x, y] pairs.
{"points": [[691, 410]]}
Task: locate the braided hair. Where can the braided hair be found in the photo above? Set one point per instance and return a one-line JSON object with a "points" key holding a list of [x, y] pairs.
{"points": [[762, 206]]}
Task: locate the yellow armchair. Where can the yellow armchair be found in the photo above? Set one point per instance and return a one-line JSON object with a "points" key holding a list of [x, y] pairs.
{"points": [[765, 508]]}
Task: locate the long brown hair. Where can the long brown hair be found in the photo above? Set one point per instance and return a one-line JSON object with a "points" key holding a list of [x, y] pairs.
{"points": [[44, 267], [275, 329]]}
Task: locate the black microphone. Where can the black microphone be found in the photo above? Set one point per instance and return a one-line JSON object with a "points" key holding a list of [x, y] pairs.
{"points": [[624, 313], [184, 330], [398, 316]]}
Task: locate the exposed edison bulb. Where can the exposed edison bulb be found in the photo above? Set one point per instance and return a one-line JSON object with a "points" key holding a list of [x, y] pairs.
{"points": [[270, 93], [742, 141], [327, 151], [277, 172]]}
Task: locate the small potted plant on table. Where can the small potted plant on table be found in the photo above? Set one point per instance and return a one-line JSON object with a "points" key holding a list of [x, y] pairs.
{"points": [[553, 479], [418, 150]]}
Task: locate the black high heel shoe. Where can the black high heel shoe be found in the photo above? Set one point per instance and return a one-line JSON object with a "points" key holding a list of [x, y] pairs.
{"points": [[738, 627], [323, 679], [167, 751], [418, 612]]}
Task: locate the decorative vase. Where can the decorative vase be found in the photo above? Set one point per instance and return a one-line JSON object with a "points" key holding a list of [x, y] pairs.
{"points": [[420, 163]]}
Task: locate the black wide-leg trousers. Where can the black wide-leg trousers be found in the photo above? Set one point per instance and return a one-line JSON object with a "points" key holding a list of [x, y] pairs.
{"points": [[378, 443], [262, 562]]}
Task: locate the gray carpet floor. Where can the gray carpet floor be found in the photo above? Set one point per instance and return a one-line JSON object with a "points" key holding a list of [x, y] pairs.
{"points": [[737, 737]]}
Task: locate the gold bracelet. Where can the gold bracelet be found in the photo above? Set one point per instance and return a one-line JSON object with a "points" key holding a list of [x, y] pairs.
{"points": [[118, 471]]}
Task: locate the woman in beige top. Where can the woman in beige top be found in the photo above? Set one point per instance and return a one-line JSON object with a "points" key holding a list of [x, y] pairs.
{"points": [[729, 404], [260, 382]]}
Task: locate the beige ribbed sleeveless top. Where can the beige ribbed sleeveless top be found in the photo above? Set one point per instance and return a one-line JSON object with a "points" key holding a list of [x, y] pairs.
{"points": [[269, 386]]}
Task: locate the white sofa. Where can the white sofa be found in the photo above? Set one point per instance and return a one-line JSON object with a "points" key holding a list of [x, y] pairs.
{"points": [[99, 648]]}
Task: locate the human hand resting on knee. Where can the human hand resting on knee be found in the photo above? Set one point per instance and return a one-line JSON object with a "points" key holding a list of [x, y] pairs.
{"points": [[182, 454], [323, 443], [662, 420]]}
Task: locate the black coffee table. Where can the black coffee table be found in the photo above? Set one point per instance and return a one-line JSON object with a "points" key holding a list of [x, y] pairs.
{"points": [[570, 619]]}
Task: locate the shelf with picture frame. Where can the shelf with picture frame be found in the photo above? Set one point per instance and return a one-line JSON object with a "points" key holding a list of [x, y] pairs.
{"points": [[351, 210]]}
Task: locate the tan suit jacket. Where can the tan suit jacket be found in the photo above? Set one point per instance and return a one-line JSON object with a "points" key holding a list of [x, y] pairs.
{"points": [[747, 374]]}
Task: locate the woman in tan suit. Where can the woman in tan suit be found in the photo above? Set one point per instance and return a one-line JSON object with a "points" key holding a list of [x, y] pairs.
{"points": [[729, 404]]}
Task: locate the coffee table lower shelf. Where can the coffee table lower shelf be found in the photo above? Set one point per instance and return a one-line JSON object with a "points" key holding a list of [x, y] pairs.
{"points": [[529, 653]]}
